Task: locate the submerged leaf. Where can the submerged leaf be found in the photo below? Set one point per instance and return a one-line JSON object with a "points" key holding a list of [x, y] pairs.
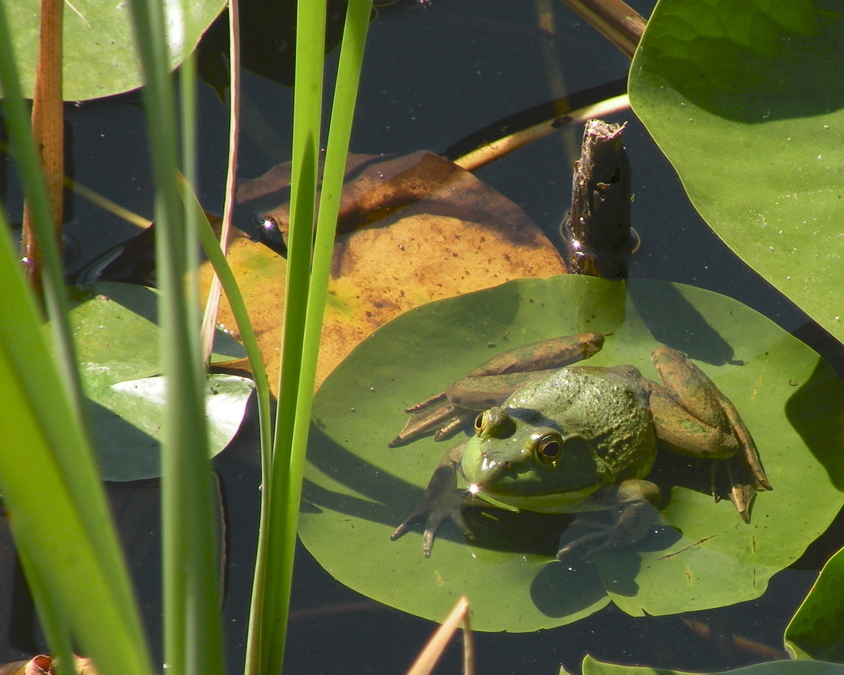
{"points": [[127, 419], [379, 186], [358, 489]]}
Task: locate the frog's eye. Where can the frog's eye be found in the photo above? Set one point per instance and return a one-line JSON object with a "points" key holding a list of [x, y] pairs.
{"points": [[494, 423], [548, 449]]}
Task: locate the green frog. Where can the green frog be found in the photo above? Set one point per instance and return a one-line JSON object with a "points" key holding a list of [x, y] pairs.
{"points": [[553, 437]]}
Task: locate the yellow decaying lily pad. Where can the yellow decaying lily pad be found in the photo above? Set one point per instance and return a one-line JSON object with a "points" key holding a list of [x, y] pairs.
{"points": [[416, 254]]}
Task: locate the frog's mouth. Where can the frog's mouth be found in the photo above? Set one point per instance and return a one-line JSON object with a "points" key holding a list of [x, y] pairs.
{"points": [[475, 491], [567, 501]]}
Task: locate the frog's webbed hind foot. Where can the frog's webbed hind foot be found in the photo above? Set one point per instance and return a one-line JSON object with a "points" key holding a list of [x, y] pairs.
{"points": [[748, 455], [742, 483], [745, 474], [742, 497]]}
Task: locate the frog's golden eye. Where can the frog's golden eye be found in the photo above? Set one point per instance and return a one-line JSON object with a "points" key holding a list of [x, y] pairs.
{"points": [[549, 448], [494, 423]]}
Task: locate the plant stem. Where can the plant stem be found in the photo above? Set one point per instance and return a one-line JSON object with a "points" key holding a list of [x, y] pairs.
{"points": [[307, 282], [48, 132], [615, 20], [192, 630], [213, 303]]}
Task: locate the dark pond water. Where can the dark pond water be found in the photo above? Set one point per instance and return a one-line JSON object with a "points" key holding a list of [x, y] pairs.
{"points": [[434, 74]]}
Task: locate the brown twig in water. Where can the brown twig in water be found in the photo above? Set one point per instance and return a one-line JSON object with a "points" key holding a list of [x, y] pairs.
{"points": [[501, 146], [738, 642], [618, 22], [209, 320], [432, 652]]}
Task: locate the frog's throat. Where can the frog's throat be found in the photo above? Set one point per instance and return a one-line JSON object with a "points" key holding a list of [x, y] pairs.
{"points": [[570, 501]]}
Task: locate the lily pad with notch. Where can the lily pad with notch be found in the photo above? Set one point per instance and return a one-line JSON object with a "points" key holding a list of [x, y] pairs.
{"points": [[358, 489], [117, 337]]}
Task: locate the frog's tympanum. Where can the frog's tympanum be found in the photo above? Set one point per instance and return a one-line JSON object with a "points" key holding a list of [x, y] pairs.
{"points": [[555, 438]]}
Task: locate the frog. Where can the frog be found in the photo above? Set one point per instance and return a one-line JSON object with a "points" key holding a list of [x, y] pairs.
{"points": [[553, 435]]}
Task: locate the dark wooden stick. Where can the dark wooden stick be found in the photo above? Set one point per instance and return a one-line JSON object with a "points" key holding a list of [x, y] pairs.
{"points": [[597, 232]]}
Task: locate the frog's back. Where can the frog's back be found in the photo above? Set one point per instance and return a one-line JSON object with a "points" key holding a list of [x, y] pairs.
{"points": [[607, 407]]}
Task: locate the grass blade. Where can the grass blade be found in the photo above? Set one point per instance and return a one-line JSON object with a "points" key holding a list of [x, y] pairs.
{"points": [[213, 303], [305, 302], [193, 636], [66, 538], [307, 104], [60, 519]]}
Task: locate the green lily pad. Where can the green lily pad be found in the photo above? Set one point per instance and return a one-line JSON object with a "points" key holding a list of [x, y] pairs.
{"points": [[815, 630], [358, 490], [737, 95], [593, 667], [118, 347], [100, 58]]}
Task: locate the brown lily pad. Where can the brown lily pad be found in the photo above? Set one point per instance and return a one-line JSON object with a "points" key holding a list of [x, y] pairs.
{"points": [[412, 229]]}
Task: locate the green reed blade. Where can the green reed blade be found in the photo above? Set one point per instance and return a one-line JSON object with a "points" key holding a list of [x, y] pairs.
{"points": [[305, 302], [59, 516], [193, 637]]}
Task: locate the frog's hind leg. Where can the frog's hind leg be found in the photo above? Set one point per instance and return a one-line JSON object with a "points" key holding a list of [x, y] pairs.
{"points": [[491, 383], [543, 355], [751, 454], [691, 389], [695, 418]]}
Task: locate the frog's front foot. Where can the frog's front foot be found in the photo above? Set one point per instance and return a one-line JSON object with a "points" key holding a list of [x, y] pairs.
{"points": [[634, 510], [436, 414], [491, 383], [442, 501]]}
